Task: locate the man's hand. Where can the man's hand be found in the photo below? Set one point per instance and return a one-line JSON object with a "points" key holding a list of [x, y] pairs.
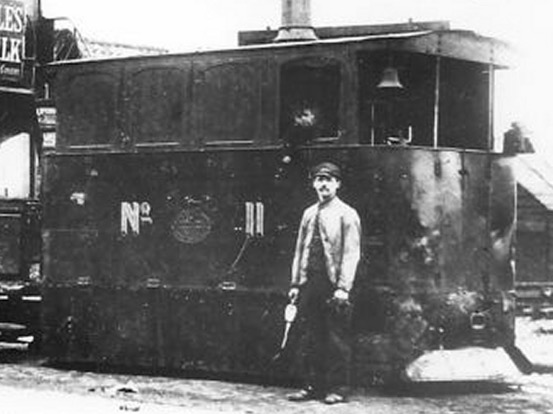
{"points": [[339, 303], [341, 296], [294, 294]]}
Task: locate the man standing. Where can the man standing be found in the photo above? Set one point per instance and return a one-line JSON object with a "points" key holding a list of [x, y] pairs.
{"points": [[323, 270]]}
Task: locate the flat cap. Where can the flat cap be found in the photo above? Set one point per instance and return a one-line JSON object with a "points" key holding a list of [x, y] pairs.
{"points": [[326, 168]]}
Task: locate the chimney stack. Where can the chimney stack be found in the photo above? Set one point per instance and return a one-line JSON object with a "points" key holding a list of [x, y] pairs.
{"points": [[296, 22]]}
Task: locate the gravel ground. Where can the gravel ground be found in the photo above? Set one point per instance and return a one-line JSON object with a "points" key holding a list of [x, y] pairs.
{"points": [[28, 386], [535, 339]]}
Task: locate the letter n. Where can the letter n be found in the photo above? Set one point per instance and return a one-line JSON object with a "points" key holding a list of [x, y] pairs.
{"points": [[130, 215]]}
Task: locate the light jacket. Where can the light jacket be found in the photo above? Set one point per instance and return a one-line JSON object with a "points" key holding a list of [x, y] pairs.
{"points": [[340, 231]]}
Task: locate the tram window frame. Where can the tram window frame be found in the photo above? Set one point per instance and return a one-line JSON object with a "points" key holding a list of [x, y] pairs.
{"points": [[227, 99], [88, 109], [159, 104], [310, 100], [389, 116], [464, 94]]}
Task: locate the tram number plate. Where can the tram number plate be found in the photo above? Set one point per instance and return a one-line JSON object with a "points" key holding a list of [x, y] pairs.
{"points": [[133, 216]]}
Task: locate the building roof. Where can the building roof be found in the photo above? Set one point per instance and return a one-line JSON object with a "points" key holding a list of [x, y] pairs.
{"points": [[99, 49], [69, 44], [535, 174]]}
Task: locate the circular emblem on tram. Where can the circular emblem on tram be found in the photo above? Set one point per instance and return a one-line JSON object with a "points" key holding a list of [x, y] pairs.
{"points": [[192, 225]]}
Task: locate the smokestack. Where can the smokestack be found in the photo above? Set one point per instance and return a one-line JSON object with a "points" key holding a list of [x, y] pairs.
{"points": [[296, 22]]}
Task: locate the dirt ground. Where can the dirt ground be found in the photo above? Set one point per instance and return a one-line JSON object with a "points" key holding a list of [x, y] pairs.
{"points": [[535, 339], [28, 386], [31, 388]]}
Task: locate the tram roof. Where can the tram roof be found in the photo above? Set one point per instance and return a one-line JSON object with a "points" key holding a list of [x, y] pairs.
{"points": [[458, 44]]}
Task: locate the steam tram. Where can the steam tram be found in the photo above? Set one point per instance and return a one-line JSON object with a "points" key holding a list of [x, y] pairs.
{"points": [[174, 186]]}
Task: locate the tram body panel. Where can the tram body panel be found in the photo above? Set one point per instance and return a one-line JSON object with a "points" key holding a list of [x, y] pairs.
{"points": [[158, 260]]}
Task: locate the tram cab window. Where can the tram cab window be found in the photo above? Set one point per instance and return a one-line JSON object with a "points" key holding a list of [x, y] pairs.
{"points": [[464, 104], [398, 94], [310, 100], [396, 97]]}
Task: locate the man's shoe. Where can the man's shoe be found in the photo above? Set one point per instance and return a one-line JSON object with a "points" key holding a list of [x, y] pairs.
{"points": [[334, 398], [302, 395]]}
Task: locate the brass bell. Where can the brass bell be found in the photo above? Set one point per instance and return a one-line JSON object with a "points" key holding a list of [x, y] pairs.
{"points": [[390, 79]]}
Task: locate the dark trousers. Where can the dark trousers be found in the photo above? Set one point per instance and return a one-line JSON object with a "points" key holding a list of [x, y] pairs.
{"points": [[325, 346]]}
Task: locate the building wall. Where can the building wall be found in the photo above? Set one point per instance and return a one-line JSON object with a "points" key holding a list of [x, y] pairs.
{"points": [[534, 248]]}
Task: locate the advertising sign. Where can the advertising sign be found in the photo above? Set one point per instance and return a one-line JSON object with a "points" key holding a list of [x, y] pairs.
{"points": [[12, 40]]}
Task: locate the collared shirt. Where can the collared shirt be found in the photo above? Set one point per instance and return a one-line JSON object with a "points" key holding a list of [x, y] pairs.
{"points": [[340, 232]]}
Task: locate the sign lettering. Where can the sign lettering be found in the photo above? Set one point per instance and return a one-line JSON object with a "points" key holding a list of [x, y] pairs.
{"points": [[255, 219], [12, 39], [133, 214]]}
